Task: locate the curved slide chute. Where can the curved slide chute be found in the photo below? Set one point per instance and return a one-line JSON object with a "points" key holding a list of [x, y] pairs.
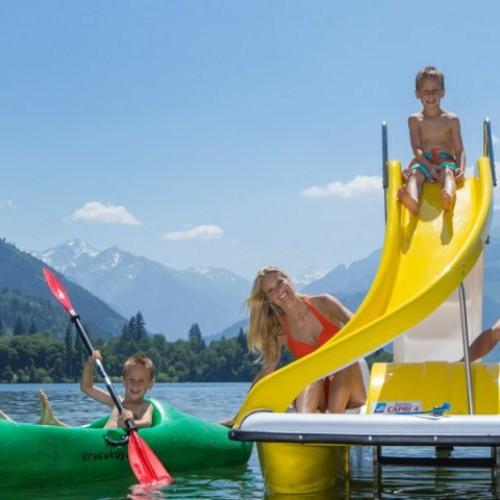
{"points": [[424, 260]]}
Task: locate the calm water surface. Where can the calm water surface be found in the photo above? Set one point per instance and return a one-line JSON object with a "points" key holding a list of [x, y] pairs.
{"points": [[213, 402]]}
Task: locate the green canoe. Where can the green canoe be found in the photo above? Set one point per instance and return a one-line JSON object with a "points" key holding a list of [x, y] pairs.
{"points": [[44, 455]]}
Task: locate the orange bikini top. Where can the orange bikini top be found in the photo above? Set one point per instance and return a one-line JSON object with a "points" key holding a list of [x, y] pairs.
{"points": [[300, 349]]}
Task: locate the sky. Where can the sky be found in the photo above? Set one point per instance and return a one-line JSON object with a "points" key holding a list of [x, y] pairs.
{"points": [[225, 133]]}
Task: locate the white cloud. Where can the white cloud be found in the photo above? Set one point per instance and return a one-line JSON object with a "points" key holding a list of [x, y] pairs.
{"points": [[95, 211], [495, 139], [6, 204], [361, 186], [203, 232]]}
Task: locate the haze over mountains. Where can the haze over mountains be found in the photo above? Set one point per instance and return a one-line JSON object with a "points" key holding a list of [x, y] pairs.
{"points": [[170, 300]]}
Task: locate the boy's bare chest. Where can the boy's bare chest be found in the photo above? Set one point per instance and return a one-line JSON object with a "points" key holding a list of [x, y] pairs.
{"points": [[137, 409], [435, 132]]}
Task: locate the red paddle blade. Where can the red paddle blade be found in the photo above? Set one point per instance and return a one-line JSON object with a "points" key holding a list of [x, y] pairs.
{"points": [[144, 463], [58, 290]]}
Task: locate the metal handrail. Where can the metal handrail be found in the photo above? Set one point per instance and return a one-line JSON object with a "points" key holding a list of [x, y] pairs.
{"points": [[488, 148], [487, 151], [465, 340], [385, 160]]}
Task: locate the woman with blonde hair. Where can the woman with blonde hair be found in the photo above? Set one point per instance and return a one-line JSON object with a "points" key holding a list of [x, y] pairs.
{"points": [[282, 317]]}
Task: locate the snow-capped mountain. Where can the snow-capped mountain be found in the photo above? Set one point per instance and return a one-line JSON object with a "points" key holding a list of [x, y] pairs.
{"points": [[308, 276], [67, 256], [170, 300]]}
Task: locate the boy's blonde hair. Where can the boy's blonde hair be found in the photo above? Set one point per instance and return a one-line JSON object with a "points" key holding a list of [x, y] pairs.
{"points": [[428, 72], [140, 359]]}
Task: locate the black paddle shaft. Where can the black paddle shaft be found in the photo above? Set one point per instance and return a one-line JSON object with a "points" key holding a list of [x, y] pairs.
{"points": [[85, 339]]}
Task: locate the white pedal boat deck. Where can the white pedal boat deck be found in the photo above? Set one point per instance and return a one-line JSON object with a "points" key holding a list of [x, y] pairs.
{"points": [[388, 430]]}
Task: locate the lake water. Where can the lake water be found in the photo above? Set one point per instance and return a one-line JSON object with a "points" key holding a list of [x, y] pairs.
{"points": [[216, 401]]}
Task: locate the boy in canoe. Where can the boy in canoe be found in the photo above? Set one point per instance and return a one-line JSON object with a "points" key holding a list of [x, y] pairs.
{"points": [[436, 142], [138, 377]]}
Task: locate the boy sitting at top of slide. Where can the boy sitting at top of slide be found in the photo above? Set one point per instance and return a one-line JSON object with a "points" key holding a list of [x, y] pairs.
{"points": [[436, 142]]}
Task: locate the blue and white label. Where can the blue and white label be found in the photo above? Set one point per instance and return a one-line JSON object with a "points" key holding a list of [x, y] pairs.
{"points": [[396, 407]]}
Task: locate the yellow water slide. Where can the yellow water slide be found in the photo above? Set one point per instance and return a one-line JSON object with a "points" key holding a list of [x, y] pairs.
{"points": [[424, 260]]}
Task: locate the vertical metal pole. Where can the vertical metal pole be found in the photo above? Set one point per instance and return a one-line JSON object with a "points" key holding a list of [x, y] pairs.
{"points": [[465, 339], [488, 148], [385, 159]]}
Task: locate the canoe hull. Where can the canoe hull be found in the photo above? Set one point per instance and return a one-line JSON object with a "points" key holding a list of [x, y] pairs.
{"points": [[45, 455]]}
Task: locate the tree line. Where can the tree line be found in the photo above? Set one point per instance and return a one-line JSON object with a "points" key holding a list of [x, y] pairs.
{"points": [[30, 356], [35, 357]]}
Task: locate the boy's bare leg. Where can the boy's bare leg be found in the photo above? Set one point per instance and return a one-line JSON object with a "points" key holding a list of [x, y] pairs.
{"points": [[4, 416], [47, 417], [449, 190], [409, 194]]}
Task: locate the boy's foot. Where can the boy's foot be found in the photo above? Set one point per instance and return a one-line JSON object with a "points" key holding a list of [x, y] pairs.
{"points": [[4, 416], [47, 417], [446, 201], [407, 200]]}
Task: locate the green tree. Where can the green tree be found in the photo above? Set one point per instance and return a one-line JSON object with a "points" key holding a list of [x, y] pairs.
{"points": [[196, 342], [33, 329], [126, 332], [2, 329], [140, 327], [69, 353], [79, 358], [132, 328], [19, 327]]}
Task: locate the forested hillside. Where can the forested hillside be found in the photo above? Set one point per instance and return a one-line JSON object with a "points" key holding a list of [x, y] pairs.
{"points": [[26, 301]]}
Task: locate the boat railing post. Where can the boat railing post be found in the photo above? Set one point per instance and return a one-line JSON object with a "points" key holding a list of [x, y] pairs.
{"points": [[465, 339], [488, 148], [385, 159]]}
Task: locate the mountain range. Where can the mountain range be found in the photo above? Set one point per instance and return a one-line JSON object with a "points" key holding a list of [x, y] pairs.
{"points": [[170, 300]]}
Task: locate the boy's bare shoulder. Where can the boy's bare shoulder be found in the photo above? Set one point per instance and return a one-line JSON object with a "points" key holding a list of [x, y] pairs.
{"points": [[449, 116], [418, 116]]}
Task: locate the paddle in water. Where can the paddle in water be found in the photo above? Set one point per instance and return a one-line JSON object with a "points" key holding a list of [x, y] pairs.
{"points": [[143, 462]]}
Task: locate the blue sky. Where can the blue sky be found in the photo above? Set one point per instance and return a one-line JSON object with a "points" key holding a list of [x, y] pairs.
{"points": [[191, 132]]}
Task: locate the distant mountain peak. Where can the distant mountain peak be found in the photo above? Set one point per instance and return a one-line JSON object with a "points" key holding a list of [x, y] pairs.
{"points": [[80, 247], [214, 273], [309, 275], [170, 300], [67, 255]]}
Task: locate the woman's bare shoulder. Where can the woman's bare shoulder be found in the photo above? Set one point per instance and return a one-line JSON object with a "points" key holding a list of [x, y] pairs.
{"points": [[324, 300]]}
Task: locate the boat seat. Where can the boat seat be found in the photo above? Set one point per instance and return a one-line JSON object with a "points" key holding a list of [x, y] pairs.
{"points": [[415, 384]]}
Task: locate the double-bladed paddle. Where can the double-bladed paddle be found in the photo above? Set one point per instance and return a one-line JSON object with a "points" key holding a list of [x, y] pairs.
{"points": [[143, 462]]}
